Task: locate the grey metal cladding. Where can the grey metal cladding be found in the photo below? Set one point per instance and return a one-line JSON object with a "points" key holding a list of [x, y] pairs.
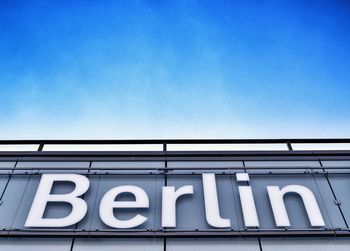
{"points": [[294, 163], [127, 164], [305, 244], [7, 164], [335, 163], [204, 164], [109, 244], [4, 178], [341, 186], [53, 164], [209, 244], [35, 244], [11, 200]]}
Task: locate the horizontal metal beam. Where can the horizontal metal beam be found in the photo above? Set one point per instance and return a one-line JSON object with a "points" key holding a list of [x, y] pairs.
{"points": [[177, 234], [168, 174], [178, 141], [170, 153], [304, 169]]}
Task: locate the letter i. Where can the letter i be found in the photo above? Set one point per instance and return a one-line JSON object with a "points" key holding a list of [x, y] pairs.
{"points": [[250, 215]]}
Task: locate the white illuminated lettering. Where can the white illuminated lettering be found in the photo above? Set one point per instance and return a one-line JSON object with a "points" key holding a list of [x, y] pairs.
{"points": [[279, 208], [250, 215], [43, 196], [212, 211], [108, 203], [169, 198], [113, 218]]}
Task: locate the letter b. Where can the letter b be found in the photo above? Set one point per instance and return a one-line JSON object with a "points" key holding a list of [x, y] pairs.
{"points": [[43, 196]]}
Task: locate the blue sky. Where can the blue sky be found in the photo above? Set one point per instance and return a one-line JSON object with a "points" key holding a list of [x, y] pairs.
{"points": [[174, 69]]}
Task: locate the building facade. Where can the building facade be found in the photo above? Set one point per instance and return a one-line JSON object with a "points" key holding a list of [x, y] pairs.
{"points": [[175, 195]]}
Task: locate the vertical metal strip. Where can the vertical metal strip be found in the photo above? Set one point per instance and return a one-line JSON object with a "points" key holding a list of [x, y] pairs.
{"points": [[41, 147], [320, 195], [5, 188], [260, 245], [232, 177], [165, 149], [72, 245], [334, 196], [77, 224], [8, 181], [21, 200], [94, 207], [155, 199]]}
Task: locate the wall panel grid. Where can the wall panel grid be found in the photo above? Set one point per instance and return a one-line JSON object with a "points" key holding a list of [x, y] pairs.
{"points": [[328, 180]]}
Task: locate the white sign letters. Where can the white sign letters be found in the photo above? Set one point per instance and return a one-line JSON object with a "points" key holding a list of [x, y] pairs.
{"points": [[170, 197]]}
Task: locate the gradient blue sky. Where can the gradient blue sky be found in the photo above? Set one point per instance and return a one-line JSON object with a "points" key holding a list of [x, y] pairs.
{"points": [[174, 69]]}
